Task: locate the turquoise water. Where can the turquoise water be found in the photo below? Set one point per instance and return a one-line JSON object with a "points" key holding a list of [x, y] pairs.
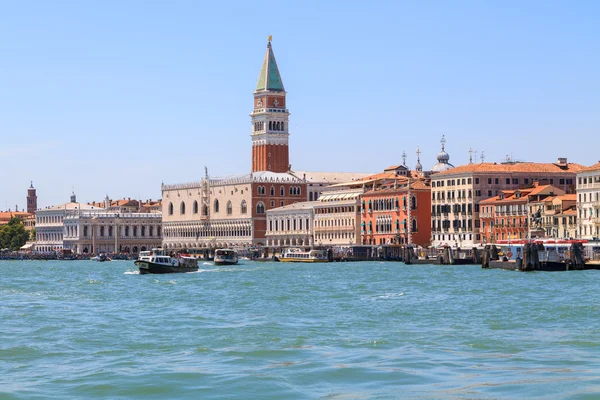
{"points": [[81, 329]]}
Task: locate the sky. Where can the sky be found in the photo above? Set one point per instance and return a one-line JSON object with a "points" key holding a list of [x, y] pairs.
{"points": [[115, 97]]}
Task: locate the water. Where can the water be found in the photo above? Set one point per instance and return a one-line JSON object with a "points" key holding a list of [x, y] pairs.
{"points": [[81, 329]]}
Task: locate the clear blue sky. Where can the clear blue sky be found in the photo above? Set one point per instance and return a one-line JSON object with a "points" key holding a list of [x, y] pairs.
{"points": [[115, 97]]}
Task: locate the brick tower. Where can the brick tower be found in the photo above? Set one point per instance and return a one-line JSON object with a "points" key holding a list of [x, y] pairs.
{"points": [[270, 119], [31, 199]]}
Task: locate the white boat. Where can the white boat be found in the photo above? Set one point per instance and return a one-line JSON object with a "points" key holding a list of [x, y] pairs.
{"points": [[299, 255], [156, 261], [225, 257]]}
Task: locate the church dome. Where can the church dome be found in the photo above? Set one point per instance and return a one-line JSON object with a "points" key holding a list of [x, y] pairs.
{"points": [[443, 159]]}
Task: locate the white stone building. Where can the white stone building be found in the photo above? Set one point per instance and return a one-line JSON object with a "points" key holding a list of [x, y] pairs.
{"points": [[588, 202], [101, 231], [49, 224], [291, 225]]}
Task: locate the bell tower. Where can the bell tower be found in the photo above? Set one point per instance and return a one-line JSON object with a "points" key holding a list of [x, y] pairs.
{"points": [[270, 119], [31, 199]]}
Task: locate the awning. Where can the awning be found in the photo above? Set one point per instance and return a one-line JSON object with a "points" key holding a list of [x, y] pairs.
{"points": [[27, 246]]}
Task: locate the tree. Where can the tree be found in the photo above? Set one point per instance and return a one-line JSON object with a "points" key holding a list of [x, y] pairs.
{"points": [[13, 235]]}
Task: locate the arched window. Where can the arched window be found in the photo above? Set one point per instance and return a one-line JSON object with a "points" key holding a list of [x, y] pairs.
{"points": [[110, 231], [260, 208], [85, 233], [101, 231], [126, 231], [244, 207], [143, 231], [270, 125], [170, 208], [150, 229], [204, 209], [282, 191], [282, 128], [272, 190], [182, 208], [195, 211], [216, 207], [299, 189], [292, 190], [414, 203], [135, 231], [229, 208], [158, 231]]}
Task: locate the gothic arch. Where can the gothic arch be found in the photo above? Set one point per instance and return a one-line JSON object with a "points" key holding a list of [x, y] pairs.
{"points": [[244, 207], [170, 208], [195, 207], [182, 208], [216, 205], [229, 208], [260, 208]]}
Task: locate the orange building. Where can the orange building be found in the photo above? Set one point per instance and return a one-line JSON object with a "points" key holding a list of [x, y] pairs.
{"points": [[397, 212], [506, 216]]}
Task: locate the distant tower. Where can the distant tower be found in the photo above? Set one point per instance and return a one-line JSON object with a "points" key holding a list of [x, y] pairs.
{"points": [[418, 167], [270, 119], [106, 202], [73, 197], [31, 199]]}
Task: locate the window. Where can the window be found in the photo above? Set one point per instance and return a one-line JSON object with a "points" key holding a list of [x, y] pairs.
{"points": [[244, 207], [204, 209], [282, 191], [216, 206], [281, 203], [272, 190], [508, 181], [489, 181], [229, 208], [477, 181], [195, 210], [182, 208], [170, 208], [260, 208]]}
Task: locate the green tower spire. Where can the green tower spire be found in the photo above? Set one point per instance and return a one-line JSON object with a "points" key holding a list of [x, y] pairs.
{"points": [[269, 78]]}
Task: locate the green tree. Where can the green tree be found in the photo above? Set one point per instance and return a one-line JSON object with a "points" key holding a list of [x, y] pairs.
{"points": [[13, 235]]}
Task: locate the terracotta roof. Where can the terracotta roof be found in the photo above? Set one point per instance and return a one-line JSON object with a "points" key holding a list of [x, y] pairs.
{"points": [[7, 215], [567, 197], [595, 167], [513, 167]]}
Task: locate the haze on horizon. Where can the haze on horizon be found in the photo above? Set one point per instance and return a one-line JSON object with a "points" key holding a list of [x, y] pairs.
{"points": [[116, 97]]}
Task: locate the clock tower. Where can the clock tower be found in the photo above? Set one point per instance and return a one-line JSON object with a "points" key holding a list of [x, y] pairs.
{"points": [[270, 119]]}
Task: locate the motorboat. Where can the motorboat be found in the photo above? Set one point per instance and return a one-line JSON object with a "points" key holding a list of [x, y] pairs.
{"points": [[299, 255], [225, 257], [156, 261]]}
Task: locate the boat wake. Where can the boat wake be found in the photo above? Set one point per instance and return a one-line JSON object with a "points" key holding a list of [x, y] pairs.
{"points": [[385, 296], [131, 272]]}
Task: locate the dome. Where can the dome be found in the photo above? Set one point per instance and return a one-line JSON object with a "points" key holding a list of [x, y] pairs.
{"points": [[419, 167], [443, 158], [441, 167]]}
